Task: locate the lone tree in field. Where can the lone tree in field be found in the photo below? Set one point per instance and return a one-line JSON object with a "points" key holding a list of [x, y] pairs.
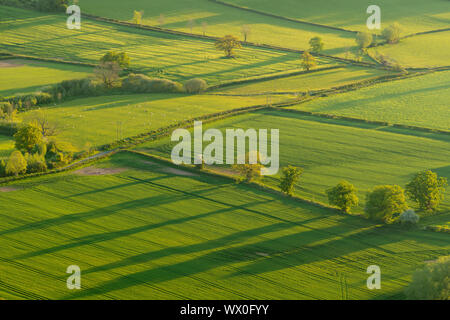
{"points": [[343, 196], [27, 137], [16, 164], [385, 203], [250, 171], [427, 190], [308, 61], [290, 175], [246, 30], [316, 44], [392, 33], [108, 73], [431, 282], [228, 44], [137, 17], [364, 40], [121, 58]]}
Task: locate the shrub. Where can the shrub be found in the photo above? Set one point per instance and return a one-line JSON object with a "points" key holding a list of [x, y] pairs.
{"points": [[431, 282], [343, 196], [196, 85], [385, 203], [27, 137], [409, 218], [427, 189], [139, 83], [121, 58], [16, 165], [308, 61], [316, 44], [364, 39], [290, 176]]}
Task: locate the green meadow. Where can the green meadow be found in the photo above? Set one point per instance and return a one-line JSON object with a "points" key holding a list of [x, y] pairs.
{"points": [[413, 15], [150, 232], [418, 101], [25, 76], [305, 82], [6, 146], [331, 151], [104, 119], [423, 51]]}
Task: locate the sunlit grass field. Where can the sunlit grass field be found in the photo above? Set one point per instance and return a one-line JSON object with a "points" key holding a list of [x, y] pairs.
{"points": [[305, 82], [218, 20], [154, 53], [331, 151], [105, 119], [419, 101], [413, 15], [149, 233], [6, 146], [424, 51], [25, 76]]}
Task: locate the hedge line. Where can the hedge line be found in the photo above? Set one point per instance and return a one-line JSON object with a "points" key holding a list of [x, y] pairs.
{"points": [[444, 229]]}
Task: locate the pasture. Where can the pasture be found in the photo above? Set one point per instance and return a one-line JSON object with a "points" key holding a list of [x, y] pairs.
{"points": [[418, 101], [104, 119], [413, 15], [149, 233], [26, 76], [331, 151], [305, 82], [153, 53], [6, 146]]}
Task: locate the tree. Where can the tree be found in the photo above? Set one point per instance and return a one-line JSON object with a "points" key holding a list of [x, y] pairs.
{"points": [[246, 30], [385, 203], [16, 164], [121, 58], [40, 120], [343, 196], [108, 73], [316, 44], [228, 44], [431, 282], [392, 33], [308, 61], [290, 175], [137, 17], [427, 189], [27, 137], [364, 39], [250, 171], [409, 218], [52, 5]]}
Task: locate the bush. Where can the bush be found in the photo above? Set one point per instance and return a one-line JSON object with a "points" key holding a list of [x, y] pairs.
{"points": [[392, 33], [196, 85], [121, 58], [139, 83], [27, 137], [385, 203], [363, 39], [343, 196], [409, 218], [16, 165], [431, 282]]}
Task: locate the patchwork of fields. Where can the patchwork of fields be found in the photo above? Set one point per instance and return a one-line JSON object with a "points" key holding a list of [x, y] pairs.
{"points": [[149, 233], [141, 228]]}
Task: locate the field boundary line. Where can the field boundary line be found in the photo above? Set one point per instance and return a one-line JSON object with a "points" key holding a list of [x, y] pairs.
{"points": [[281, 17]]}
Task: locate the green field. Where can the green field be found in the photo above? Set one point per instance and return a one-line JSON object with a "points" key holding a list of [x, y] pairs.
{"points": [[170, 236], [413, 15], [154, 53], [331, 151], [305, 82], [6, 146], [25, 76], [420, 101], [424, 51], [104, 119], [221, 20]]}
